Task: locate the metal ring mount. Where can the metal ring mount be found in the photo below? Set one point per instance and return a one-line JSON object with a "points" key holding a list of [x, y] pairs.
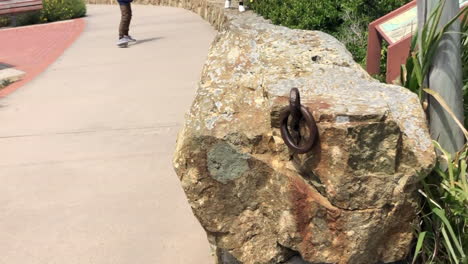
{"points": [[297, 112]]}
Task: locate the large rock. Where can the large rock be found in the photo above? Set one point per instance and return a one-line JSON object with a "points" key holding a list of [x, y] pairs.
{"points": [[350, 200]]}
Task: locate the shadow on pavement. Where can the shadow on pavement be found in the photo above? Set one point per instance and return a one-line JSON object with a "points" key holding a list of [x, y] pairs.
{"points": [[141, 41]]}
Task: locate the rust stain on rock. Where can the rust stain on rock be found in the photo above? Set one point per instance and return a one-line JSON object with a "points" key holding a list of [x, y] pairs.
{"points": [[307, 203]]}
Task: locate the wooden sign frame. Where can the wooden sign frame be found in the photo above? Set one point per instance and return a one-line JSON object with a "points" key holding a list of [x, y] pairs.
{"points": [[397, 51]]}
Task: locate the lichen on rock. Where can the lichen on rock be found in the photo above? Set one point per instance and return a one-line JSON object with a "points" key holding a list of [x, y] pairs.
{"points": [[225, 163]]}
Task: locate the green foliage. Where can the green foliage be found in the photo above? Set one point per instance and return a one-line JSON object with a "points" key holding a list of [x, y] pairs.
{"points": [[464, 57], [356, 16], [302, 14], [22, 19], [346, 20], [55, 10], [443, 229], [29, 18], [4, 21], [5, 83], [420, 61]]}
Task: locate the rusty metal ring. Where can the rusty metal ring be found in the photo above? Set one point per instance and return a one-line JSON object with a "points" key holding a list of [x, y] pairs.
{"points": [[310, 124], [294, 105]]}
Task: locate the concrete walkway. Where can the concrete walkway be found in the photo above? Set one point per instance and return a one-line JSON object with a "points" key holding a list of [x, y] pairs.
{"points": [[86, 148]]}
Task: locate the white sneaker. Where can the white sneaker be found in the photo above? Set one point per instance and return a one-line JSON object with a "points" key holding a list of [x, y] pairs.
{"points": [[129, 38], [227, 4], [241, 8], [122, 41]]}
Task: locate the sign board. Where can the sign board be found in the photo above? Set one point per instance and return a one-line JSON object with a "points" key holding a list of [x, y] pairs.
{"points": [[400, 26], [403, 24], [396, 28]]}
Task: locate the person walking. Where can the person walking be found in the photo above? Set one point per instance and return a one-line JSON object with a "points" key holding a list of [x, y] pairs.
{"points": [[227, 4], [126, 18]]}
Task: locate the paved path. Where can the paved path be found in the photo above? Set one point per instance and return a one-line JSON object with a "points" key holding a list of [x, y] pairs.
{"points": [[32, 49], [86, 148]]}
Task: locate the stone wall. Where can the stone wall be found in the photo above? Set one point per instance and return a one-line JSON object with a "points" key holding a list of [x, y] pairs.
{"points": [[352, 199]]}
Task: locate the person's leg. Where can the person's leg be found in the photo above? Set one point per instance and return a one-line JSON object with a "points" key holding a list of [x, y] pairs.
{"points": [[227, 4], [126, 11], [130, 14], [241, 6]]}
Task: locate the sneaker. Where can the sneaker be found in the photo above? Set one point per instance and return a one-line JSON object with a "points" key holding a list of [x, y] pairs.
{"points": [[227, 4], [122, 41], [241, 8], [129, 38]]}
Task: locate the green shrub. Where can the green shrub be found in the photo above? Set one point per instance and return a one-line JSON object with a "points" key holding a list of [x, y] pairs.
{"points": [[29, 18], [443, 227], [346, 20], [4, 21], [4, 83], [22, 19], [302, 14], [464, 57], [356, 16], [55, 10]]}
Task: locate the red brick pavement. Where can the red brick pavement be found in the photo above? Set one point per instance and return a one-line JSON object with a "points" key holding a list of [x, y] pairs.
{"points": [[33, 48]]}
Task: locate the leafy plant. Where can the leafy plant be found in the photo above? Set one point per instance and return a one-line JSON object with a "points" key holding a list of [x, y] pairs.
{"points": [[5, 83], [345, 20], [55, 10], [420, 61], [29, 18], [4, 21], [302, 14], [464, 57], [442, 231], [21, 19]]}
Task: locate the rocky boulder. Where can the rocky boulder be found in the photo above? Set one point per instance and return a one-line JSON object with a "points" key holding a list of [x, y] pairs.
{"points": [[351, 199]]}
